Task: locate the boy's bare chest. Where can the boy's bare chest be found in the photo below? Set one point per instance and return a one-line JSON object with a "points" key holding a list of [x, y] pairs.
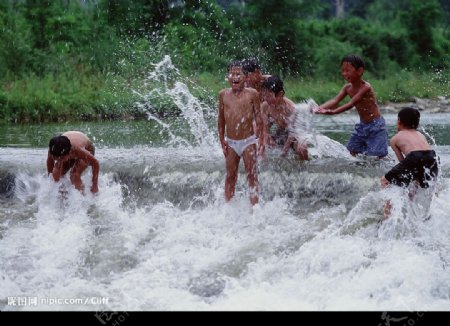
{"points": [[238, 106]]}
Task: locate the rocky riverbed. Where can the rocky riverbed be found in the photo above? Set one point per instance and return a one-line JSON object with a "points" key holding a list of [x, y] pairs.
{"points": [[439, 105]]}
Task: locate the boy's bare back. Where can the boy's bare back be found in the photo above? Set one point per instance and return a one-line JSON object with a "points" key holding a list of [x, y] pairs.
{"points": [[281, 114], [239, 111], [78, 139], [408, 140]]}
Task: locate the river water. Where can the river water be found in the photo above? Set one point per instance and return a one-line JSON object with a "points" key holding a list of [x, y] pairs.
{"points": [[159, 236]]}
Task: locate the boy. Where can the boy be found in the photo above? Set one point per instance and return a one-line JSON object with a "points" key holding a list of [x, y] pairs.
{"points": [[238, 107], [73, 151], [370, 135], [255, 78], [418, 163], [280, 110]]}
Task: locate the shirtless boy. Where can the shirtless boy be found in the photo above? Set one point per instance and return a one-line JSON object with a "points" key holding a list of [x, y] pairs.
{"points": [[255, 78], [370, 135], [238, 107], [280, 110], [418, 163], [73, 151]]}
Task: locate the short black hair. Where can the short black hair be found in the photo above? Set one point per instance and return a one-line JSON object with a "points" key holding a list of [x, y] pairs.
{"points": [[250, 65], [409, 117], [235, 63], [59, 146], [354, 60], [274, 84]]}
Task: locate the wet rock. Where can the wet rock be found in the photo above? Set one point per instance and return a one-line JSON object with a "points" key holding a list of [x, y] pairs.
{"points": [[208, 284], [7, 184]]}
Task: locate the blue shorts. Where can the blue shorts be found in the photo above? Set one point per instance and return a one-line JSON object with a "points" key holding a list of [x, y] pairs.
{"points": [[370, 139]]}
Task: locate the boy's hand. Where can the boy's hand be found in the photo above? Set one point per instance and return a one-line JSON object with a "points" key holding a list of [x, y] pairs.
{"points": [[94, 188], [320, 110], [261, 148], [384, 182], [224, 147]]}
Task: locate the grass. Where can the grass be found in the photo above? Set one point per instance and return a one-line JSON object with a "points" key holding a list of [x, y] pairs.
{"points": [[86, 97]]}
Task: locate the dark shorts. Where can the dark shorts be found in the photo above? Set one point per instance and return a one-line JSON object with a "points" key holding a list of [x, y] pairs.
{"points": [[280, 136], [369, 138], [420, 166]]}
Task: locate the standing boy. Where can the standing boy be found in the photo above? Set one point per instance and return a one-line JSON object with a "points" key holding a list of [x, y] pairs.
{"points": [[370, 135], [280, 110], [238, 107], [252, 69], [73, 151]]}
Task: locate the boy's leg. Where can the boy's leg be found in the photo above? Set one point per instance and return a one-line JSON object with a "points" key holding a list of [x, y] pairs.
{"points": [[250, 165], [377, 143], [302, 149], [75, 174], [357, 141], [232, 166]]}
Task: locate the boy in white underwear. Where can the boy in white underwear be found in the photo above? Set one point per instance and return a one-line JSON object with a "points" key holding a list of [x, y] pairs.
{"points": [[238, 107]]}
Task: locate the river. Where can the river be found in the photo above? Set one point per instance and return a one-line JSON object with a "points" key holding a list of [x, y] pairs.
{"points": [[159, 236]]}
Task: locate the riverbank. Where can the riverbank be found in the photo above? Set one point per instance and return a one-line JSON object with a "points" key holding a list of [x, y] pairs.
{"points": [[439, 105], [60, 99]]}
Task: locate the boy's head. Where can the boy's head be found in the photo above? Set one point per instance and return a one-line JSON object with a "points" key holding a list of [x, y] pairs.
{"points": [[250, 65], [252, 69], [236, 77], [354, 60], [235, 63], [272, 88], [59, 146], [352, 68], [409, 118], [274, 84]]}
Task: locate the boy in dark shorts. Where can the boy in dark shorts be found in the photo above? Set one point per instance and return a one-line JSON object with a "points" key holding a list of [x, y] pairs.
{"points": [[417, 161]]}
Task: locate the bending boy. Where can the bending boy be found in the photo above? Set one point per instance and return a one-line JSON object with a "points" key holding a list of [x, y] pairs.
{"points": [[418, 163], [280, 110], [370, 135], [73, 151], [238, 107]]}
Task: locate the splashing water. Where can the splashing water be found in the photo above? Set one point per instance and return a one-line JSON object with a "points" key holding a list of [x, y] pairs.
{"points": [[303, 127], [159, 236], [166, 90]]}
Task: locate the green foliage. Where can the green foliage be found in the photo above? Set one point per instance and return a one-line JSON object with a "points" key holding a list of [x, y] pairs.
{"points": [[16, 45], [68, 58]]}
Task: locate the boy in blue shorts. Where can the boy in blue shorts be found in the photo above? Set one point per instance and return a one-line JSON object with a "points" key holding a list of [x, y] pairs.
{"points": [[370, 135]]}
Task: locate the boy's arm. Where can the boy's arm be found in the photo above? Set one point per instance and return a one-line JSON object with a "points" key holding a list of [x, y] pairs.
{"points": [[82, 154], [397, 151], [287, 144], [355, 99], [326, 107], [221, 124], [50, 162], [259, 122], [265, 121]]}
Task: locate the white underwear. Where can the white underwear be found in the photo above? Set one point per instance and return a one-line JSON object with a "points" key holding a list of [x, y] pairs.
{"points": [[239, 146]]}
